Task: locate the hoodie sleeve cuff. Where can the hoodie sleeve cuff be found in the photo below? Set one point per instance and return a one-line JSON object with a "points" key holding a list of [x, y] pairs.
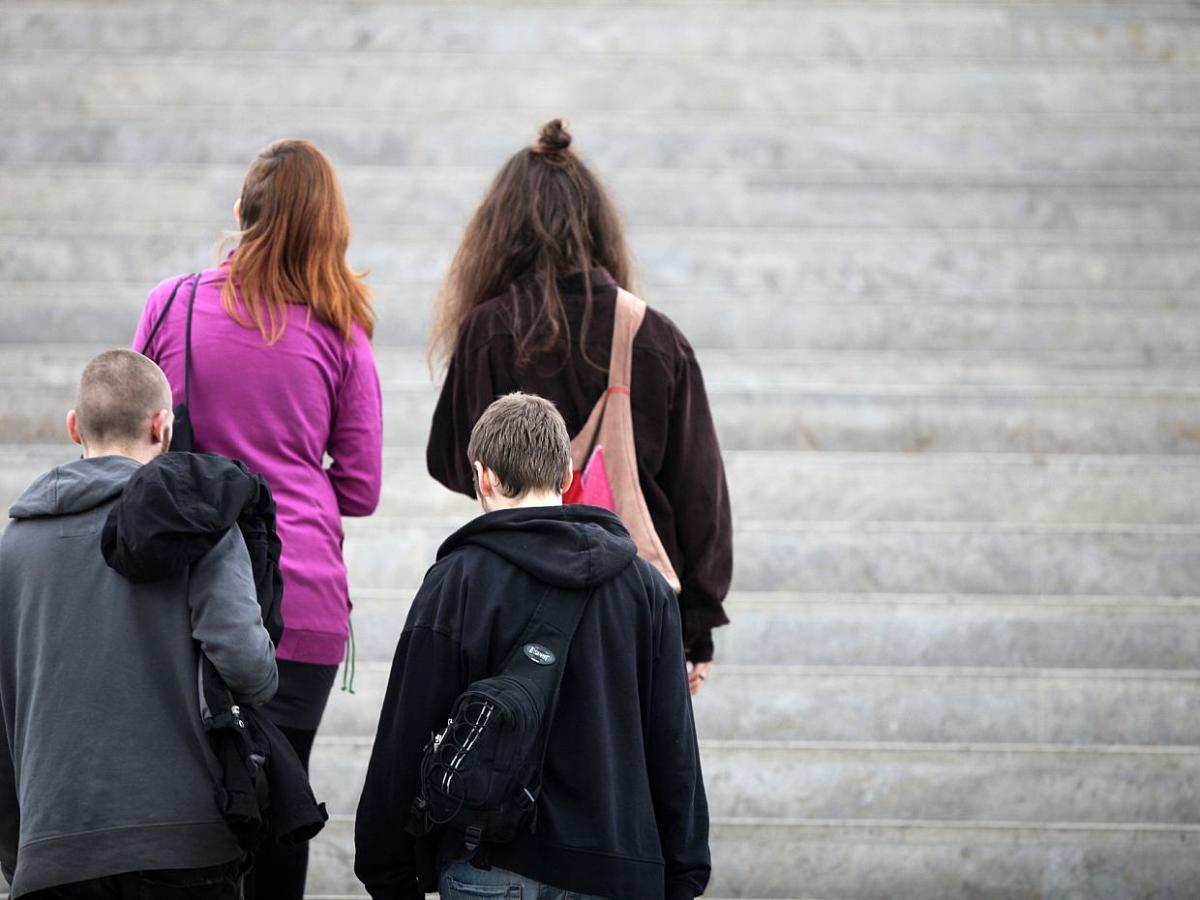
{"points": [[701, 648], [698, 624]]}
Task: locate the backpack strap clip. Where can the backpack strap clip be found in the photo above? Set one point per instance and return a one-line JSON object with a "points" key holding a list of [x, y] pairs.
{"points": [[418, 817]]}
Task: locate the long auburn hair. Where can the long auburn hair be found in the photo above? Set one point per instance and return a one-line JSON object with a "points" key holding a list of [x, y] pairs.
{"points": [[292, 246], [544, 216]]}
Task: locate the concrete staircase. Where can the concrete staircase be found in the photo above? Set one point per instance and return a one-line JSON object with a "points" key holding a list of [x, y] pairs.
{"points": [[939, 259]]}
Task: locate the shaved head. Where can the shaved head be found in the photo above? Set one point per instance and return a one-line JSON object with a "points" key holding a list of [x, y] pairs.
{"points": [[119, 393]]}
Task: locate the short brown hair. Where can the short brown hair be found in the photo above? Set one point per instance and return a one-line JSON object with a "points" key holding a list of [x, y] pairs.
{"points": [[119, 391], [523, 439]]}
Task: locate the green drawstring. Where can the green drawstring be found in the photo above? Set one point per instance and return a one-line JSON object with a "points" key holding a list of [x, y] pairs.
{"points": [[348, 665]]}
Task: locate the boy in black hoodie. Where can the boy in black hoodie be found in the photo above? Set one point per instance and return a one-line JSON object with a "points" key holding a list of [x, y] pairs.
{"points": [[622, 812]]}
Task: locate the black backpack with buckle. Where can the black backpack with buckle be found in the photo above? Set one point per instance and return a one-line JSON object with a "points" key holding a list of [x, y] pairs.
{"points": [[481, 775]]}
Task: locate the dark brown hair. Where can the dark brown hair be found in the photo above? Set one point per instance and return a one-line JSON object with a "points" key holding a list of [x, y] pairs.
{"points": [[119, 391], [523, 439], [544, 216], [292, 246]]}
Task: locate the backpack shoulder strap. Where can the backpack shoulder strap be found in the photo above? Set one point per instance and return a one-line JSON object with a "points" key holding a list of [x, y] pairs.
{"points": [[551, 628], [540, 658]]}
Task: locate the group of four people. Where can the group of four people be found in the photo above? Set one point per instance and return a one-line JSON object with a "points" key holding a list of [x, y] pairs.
{"points": [[272, 351]]}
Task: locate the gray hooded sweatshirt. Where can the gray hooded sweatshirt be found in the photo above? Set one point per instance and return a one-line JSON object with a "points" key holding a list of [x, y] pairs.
{"points": [[104, 765]]}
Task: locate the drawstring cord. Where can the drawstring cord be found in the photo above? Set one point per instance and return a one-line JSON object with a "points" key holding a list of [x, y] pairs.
{"points": [[351, 660]]}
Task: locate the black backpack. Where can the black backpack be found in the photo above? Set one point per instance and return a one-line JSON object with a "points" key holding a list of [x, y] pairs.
{"points": [[481, 775]]}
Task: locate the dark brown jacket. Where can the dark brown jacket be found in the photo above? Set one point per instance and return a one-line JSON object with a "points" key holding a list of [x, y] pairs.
{"points": [[679, 459]]}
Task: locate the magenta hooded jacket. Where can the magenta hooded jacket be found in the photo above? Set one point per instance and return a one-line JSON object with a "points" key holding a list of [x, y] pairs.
{"points": [[283, 409]]}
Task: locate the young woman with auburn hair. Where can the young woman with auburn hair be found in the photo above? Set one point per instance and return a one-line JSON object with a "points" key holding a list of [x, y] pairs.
{"points": [[529, 305], [282, 376]]}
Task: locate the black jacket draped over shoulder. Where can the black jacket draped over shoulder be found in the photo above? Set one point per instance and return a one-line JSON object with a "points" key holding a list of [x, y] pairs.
{"points": [[679, 458], [172, 512]]}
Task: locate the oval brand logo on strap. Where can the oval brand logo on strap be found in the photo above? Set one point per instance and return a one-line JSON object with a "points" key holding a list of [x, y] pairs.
{"points": [[539, 654]]}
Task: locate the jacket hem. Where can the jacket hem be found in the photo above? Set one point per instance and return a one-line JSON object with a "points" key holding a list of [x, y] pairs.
{"points": [[50, 861], [321, 648]]}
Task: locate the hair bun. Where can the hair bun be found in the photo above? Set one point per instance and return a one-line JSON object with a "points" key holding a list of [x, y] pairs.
{"points": [[553, 138]]}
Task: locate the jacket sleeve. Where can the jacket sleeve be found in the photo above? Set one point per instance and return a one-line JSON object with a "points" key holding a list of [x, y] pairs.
{"points": [[693, 478], [673, 761], [426, 677], [227, 620], [356, 438], [467, 392], [10, 811]]}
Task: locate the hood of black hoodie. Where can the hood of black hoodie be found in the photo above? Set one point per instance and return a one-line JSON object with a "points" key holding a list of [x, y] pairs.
{"points": [[75, 487], [565, 546]]}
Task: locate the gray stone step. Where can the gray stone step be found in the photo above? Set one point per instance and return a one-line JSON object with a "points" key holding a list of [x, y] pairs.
{"points": [[907, 861], [533, 85], [56, 364], [961, 558], [819, 416], [1100, 329], [964, 487], [962, 630], [902, 557], [843, 486], [906, 630], [909, 704], [431, 196], [867, 418], [970, 419], [90, 296], [1166, 35], [898, 861], [780, 780], [859, 418], [401, 367], [752, 261], [1005, 150]]}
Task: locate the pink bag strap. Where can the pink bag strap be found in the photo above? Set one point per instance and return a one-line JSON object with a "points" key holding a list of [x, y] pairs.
{"points": [[611, 426], [627, 319], [630, 313]]}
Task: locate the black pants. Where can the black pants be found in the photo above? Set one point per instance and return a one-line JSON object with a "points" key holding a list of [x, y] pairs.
{"points": [[279, 872], [211, 883]]}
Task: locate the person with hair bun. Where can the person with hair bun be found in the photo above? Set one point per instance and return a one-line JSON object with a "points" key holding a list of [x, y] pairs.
{"points": [[529, 306], [282, 377]]}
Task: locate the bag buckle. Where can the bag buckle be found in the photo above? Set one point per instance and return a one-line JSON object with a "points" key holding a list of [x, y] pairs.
{"points": [[472, 837]]}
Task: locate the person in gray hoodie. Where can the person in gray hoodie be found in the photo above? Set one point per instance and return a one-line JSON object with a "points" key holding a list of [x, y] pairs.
{"points": [[107, 783]]}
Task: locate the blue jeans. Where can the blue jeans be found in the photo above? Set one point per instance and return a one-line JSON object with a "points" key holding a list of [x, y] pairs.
{"points": [[462, 881]]}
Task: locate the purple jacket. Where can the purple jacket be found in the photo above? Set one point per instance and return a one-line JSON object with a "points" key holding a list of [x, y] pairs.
{"points": [[281, 409]]}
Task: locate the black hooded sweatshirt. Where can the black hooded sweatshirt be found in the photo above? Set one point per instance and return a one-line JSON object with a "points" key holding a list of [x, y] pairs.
{"points": [[622, 812]]}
